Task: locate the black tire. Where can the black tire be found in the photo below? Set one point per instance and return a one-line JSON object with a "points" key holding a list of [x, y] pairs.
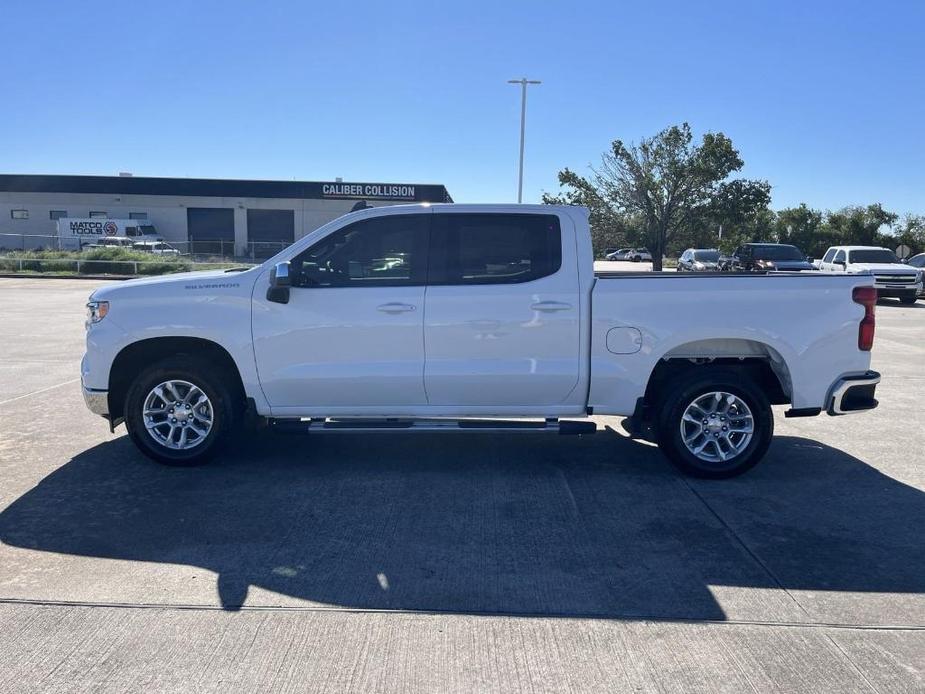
{"points": [[700, 381], [636, 259], [211, 381], [908, 300]]}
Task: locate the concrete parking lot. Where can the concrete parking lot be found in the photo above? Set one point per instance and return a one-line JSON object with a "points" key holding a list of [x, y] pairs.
{"points": [[477, 563]]}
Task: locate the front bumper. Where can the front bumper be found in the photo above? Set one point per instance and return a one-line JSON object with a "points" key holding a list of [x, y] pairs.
{"points": [[852, 394], [97, 401], [898, 291]]}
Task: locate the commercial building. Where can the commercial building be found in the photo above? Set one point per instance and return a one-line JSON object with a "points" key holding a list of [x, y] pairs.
{"points": [[242, 213]]}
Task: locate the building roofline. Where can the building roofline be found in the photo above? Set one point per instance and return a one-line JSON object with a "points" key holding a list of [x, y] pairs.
{"points": [[223, 187]]}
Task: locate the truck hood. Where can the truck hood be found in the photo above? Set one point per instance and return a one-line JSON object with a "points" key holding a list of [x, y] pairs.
{"points": [[202, 279], [790, 265], [891, 268]]}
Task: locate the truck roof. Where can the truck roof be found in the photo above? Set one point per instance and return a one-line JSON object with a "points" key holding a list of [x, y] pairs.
{"points": [[860, 248]]}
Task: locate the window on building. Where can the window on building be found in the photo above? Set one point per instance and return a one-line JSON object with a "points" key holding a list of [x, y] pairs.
{"points": [[137, 215], [19, 214], [98, 214], [57, 214]]}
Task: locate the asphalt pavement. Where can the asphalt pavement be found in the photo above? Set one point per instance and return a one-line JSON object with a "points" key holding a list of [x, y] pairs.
{"points": [[452, 563]]}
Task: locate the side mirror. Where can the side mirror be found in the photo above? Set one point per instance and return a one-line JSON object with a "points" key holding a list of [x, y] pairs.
{"points": [[840, 262], [280, 283]]}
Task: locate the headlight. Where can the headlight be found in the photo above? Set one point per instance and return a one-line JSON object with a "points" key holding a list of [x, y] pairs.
{"points": [[96, 311]]}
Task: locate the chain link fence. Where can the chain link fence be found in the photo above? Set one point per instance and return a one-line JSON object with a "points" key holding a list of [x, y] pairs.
{"points": [[197, 249]]}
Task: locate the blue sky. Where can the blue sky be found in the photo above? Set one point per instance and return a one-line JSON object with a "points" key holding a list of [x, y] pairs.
{"points": [[825, 100]]}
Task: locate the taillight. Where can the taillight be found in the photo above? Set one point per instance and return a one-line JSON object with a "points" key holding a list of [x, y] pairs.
{"points": [[867, 297]]}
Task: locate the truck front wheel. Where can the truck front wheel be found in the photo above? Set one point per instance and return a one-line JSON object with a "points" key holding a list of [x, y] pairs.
{"points": [[715, 423], [178, 411]]}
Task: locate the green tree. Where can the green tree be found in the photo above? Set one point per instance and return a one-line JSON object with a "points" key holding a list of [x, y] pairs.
{"points": [[911, 232], [665, 181], [860, 226], [610, 228], [740, 209], [802, 227]]}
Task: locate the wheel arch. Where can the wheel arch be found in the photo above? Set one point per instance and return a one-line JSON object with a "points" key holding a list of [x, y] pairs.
{"points": [[762, 362], [136, 355]]}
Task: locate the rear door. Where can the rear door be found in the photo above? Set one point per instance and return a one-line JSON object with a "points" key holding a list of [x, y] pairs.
{"points": [[501, 324]]}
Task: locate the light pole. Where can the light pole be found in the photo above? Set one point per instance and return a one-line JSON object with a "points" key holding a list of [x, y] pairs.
{"points": [[523, 82]]}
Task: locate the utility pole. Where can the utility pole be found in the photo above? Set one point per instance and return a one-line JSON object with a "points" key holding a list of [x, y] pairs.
{"points": [[523, 82]]}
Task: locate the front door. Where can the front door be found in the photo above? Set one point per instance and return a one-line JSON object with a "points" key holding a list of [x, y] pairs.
{"points": [[351, 335], [502, 322]]}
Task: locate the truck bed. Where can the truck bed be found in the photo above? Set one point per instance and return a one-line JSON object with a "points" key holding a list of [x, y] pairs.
{"points": [[804, 323]]}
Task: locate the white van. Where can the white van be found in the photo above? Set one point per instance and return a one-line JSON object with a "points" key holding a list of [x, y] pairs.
{"points": [[75, 233]]}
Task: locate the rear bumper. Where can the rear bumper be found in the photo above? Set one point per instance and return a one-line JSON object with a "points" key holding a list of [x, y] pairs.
{"points": [[853, 394]]}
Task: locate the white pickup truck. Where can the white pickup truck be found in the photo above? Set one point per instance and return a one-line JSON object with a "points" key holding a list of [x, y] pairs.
{"points": [[475, 318], [892, 278]]}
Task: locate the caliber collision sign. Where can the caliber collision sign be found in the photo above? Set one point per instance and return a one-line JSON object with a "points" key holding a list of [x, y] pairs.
{"points": [[370, 191]]}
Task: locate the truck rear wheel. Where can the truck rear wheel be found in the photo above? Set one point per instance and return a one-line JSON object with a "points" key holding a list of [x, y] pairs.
{"points": [[715, 424], [179, 411]]}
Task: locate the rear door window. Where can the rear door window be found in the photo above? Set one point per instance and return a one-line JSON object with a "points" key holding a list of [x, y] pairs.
{"points": [[494, 248]]}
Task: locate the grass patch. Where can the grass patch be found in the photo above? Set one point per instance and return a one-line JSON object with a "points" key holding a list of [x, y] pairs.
{"points": [[96, 261]]}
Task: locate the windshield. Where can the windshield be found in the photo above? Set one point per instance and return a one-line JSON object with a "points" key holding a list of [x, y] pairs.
{"points": [[706, 256], [874, 255], [778, 253]]}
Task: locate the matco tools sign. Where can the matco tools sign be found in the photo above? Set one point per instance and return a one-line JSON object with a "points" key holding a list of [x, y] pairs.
{"points": [[92, 227]]}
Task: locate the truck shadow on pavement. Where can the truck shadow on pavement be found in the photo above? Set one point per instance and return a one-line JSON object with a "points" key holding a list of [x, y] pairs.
{"points": [[532, 525]]}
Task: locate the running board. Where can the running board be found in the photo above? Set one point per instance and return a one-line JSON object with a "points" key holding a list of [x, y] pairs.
{"points": [[357, 425]]}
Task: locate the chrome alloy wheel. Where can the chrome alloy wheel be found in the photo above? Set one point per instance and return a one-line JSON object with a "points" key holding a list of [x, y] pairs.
{"points": [[178, 415], [717, 427]]}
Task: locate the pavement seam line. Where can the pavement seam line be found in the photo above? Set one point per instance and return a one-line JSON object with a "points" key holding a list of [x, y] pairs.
{"points": [[851, 662], [37, 392], [24, 602], [743, 545]]}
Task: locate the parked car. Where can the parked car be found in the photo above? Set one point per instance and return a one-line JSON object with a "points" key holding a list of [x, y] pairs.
{"points": [[618, 254], [638, 254], [699, 260], [155, 247], [765, 257], [449, 317], [892, 277], [109, 242], [918, 261]]}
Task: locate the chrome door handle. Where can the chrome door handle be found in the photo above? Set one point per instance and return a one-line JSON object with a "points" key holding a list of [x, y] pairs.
{"points": [[395, 307], [550, 306]]}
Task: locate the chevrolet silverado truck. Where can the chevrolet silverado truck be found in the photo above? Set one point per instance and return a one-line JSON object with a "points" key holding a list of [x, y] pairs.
{"points": [[474, 318], [892, 278]]}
